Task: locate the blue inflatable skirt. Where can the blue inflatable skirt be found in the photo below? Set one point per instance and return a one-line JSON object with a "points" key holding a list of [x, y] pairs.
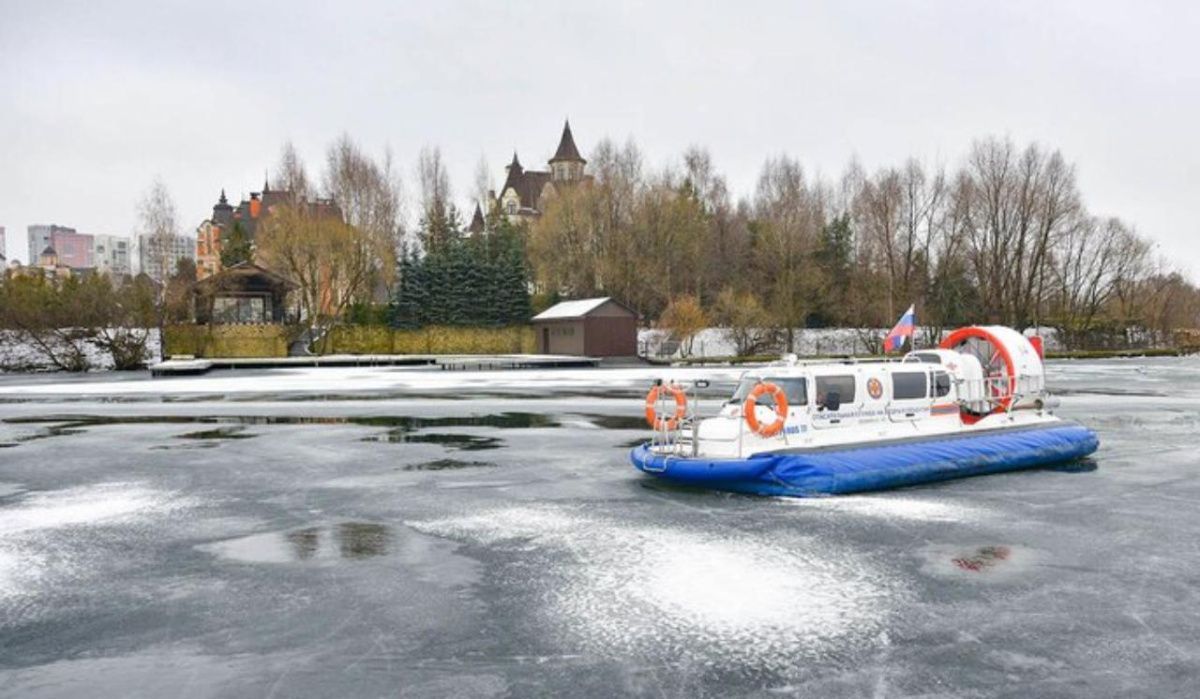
{"points": [[858, 468]]}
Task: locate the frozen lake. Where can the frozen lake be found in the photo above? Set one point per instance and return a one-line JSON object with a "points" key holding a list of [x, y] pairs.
{"points": [[384, 532]]}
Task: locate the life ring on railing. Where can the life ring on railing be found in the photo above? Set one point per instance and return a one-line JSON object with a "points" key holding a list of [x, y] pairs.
{"points": [[659, 422], [781, 409]]}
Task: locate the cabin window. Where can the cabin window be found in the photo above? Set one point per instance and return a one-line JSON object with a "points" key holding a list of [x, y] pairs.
{"points": [[843, 386], [240, 309], [928, 357], [939, 384], [909, 385], [795, 388]]}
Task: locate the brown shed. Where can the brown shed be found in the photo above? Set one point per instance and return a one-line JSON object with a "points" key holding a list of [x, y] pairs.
{"points": [[588, 328]]}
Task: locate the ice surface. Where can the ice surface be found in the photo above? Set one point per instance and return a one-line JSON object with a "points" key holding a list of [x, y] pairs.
{"points": [[322, 558]]}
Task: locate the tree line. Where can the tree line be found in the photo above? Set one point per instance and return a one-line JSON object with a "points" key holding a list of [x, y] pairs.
{"points": [[1002, 237]]}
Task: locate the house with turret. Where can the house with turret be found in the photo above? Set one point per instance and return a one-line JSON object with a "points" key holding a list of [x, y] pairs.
{"points": [[524, 192], [213, 233]]}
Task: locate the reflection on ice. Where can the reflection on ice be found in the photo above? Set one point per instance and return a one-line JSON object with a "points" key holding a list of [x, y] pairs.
{"points": [[219, 433], [347, 540], [992, 563], [446, 465], [466, 442], [983, 558], [400, 428]]}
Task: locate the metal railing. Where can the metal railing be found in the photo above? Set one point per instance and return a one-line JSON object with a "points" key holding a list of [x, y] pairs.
{"points": [[685, 435], [996, 389]]}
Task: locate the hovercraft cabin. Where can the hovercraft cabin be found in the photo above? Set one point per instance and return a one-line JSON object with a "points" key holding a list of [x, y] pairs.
{"points": [[600, 327]]}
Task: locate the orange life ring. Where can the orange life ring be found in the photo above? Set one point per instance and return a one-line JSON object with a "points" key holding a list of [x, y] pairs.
{"points": [[781, 409], [659, 422]]}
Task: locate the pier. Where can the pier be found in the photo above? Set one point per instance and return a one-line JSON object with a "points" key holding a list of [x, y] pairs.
{"points": [[191, 366]]}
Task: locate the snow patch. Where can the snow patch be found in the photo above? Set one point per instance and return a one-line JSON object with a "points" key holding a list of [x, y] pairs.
{"points": [[728, 598], [889, 507], [28, 526], [95, 505]]}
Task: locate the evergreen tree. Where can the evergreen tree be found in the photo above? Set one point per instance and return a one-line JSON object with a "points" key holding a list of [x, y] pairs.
{"points": [[834, 258], [410, 299], [480, 281], [440, 226], [235, 247]]}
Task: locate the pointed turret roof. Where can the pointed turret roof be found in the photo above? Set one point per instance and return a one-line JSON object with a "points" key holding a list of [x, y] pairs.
{"points": [[50, 251], [566, 146], [515, 172], [477, 223], [223, 201]]}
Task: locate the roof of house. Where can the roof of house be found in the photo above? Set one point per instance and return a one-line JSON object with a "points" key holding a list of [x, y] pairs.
{"points": [[577, 309], [528, 184], [477, 222], [566, 146], [235, 275]]}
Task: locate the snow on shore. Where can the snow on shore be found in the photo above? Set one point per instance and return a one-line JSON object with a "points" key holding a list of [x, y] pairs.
{"points": [[23, 357], [338, 380], [715, 342]]}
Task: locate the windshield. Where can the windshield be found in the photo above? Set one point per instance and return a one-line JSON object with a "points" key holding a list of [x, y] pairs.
{"points": [[794, 387]]}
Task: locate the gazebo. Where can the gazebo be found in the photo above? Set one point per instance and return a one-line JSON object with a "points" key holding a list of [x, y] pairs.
{"points": [[242, 294]]}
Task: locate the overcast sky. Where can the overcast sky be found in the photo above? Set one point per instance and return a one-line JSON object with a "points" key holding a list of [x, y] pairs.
{"points": [[96, 99]]}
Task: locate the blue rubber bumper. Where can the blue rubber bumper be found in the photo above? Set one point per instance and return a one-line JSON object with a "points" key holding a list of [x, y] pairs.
{"points": [[860, 468]]}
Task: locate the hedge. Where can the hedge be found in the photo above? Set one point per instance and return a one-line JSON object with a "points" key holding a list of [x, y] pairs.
{"points": [[230, 341], [368, 339]]}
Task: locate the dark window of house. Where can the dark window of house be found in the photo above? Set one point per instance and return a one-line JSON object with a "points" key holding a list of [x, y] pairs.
{"points": [[939, 382], [841, 385], [909, 385]]}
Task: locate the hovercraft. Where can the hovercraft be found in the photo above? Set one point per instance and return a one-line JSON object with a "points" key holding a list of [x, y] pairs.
{"points": [[975, 405]]}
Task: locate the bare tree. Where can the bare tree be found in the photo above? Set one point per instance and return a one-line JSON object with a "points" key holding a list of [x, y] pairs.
{"points": [[332, 263], [483, 185], [291, 175], [1092, 261], [788, 219], [727, 249], [158, 223], [433, 179], [368, 194], [1021, 203]]}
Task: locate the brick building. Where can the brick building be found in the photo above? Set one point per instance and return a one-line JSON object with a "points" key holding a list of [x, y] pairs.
{"points": [[214, 232]]}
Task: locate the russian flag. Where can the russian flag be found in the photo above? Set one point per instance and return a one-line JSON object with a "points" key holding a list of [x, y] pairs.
{"points": [[904, 329]]}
